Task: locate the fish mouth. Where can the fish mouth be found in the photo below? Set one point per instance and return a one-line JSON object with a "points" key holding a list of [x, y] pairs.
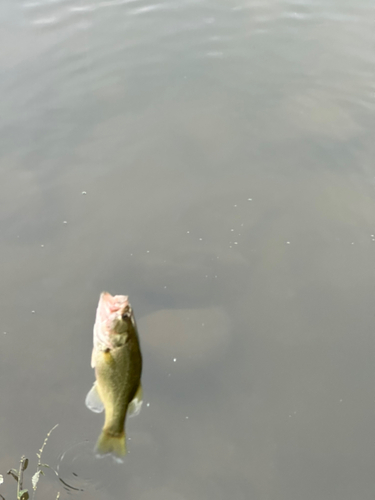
{"points": [[114, 319], [115, 312], [112, 304]]}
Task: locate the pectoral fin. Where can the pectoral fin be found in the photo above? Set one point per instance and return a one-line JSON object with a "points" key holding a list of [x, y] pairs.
{"points": [[93, 401], [136, 403]]}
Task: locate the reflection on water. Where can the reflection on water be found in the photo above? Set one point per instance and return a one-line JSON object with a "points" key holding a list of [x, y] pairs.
{"points": [[225, 150]]}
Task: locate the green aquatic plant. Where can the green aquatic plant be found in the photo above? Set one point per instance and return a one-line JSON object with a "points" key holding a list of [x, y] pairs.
{"points": [[23, 493]]}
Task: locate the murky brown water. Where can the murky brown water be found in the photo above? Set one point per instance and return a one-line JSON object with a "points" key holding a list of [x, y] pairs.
{"points": [[215, 161]]}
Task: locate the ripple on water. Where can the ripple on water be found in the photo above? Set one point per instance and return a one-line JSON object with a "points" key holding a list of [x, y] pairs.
{"points": [[80, 470]]}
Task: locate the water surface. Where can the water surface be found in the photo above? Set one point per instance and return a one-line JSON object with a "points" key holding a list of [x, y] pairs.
{"points": [[215, 161]]}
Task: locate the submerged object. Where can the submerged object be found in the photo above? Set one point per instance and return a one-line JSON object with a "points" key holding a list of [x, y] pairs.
{"points": [[117, 359]]}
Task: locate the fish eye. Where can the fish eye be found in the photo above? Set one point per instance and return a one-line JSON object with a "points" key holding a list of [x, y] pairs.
{"points": [[126, 315]]}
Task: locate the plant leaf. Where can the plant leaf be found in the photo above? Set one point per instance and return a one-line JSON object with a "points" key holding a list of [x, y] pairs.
{"points": [[35, 478], [1, 479], [13, 473], [23, 495]]}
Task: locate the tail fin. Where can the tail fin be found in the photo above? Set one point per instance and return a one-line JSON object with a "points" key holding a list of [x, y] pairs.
{"points": [[111, 445]]}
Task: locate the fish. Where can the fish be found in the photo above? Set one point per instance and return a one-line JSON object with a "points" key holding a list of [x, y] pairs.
{"points": [[117, 360]]}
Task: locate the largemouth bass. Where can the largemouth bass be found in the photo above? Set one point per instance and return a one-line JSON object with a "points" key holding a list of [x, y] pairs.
{"points": [[117, 359]]}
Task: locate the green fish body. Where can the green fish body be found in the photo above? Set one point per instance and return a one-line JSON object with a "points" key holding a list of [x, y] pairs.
{"points": [[117, 360]]}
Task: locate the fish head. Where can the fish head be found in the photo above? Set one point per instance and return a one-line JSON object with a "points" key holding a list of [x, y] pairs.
{"points": [[114, 320]]}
